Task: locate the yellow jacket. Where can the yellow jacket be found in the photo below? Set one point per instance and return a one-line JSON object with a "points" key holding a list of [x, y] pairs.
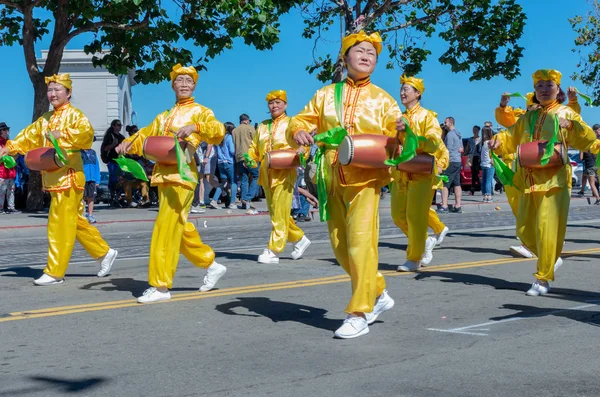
{"points": [[580, 137], [507, 116], [367, 109], [76, 134], [187, 112]]}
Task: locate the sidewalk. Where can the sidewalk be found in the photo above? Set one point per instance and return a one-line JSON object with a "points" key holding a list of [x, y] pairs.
{"points": [[138, 219]]}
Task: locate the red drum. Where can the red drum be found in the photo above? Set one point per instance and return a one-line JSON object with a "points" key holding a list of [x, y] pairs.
{"points": [[422, 164], [161, 149], [44, 159], [283, 159], [366, 150], [530, 155]]}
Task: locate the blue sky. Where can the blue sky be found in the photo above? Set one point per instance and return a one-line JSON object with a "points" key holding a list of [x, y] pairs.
{"points": [[236, 82]]}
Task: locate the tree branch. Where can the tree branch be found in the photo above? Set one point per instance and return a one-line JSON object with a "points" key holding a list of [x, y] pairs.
{"points": [[411, 23], [28, 40], [94, 27], [12, 4], [368, 7]]}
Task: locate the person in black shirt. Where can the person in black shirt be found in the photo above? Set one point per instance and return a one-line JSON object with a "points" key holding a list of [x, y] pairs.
{"points": [[112, 139]]}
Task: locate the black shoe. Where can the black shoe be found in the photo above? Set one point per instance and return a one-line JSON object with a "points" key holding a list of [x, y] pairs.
{"points": [[306, 218], [456, 210], [442, 210], [12, 211], [597, 202]]}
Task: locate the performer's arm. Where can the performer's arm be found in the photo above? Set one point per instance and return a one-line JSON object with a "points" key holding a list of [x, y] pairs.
{"points": [[137, 139], [208, 129], [31, 137], [307, 120], [79, 135]]}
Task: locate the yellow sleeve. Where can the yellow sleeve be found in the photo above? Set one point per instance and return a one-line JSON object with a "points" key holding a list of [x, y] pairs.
{"points": [[80, 135], [138, 138], [253, 150], [433, 133], [574, 105], [31, 137], [581, 136], [209, 129], [390, 118], [307, 120], [505, 116], [511, 137], [442, 157]]}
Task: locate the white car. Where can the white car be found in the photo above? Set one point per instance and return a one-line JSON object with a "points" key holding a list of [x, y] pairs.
{"points": [[577, 167]]}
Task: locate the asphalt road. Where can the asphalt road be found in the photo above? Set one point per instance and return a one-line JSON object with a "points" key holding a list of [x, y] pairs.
{"points": [[461, 327]]}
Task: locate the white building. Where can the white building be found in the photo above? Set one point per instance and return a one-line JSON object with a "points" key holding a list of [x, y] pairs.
{"points": [[100, 95]]}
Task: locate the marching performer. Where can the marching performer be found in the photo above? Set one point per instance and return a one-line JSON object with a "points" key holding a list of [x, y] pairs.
{"points": [[66, 223], [545, 192], [350, 198], [412, 193], [278, 184], [440, 230], [172, 232]]}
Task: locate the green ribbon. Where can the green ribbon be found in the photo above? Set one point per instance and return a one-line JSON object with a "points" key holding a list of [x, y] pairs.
{"points": [[131, 166], [182, 166], [302, 159], [517, 95], [409, 148], [8, 161], [504, 172], [249, 161], [443, 178], [549, 151], [587, 99], [59, 152]]}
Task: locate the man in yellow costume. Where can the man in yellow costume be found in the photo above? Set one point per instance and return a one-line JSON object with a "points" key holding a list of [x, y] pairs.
{"points": [[545, 192], [73, 132], [172, 232], [278, 184], [507, 116], [349, 196], [412, 193]]}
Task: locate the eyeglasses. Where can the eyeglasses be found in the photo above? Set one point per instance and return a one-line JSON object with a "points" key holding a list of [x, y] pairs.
{"points": [[118, 125]]}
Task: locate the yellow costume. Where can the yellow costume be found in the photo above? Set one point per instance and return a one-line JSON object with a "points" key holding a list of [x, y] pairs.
{"points": [[278, 184], [65, 221], [353, 193], [412, 193], [545, 193], [442, 160], [172, 232]]}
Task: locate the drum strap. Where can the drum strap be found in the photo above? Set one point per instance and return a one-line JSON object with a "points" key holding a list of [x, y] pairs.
{"points": [[551, 143]]}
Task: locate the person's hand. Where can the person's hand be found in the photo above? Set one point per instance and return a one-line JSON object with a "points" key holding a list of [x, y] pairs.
{"points": [[205, 160], [303, 138], [400, 125], [4, 151], [494, 144], [504, 99], [312, 201], [185, 131], [123, 147], [572, 94], [55, 134], [97, 185], [461, 150], [564, 123]]}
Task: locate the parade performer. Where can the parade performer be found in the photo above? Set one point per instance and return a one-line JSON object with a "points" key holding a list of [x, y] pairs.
{"points": [[442, 160], [278, 184], [348, 195], [412, 193], [73, 132], [545, 192], [507, 116], [172, 232]]}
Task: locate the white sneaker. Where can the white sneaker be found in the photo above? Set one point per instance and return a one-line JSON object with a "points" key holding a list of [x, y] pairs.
{"points": [[409, 266], [439, 237], [558, 264], [300, 247], [153, 294], [107, 261], [133, 204], [353, 327], [428, 254], [48, 280], [538, 288], [213, 274], [268, 256], [384, 302], [197, 210], [521, 250]]}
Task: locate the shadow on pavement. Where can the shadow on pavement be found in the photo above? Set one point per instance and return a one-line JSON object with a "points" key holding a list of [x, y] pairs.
{"points": [[235, 255], [281, 311], [24, 272], [60, 385], [525, 311], [136, 287]]}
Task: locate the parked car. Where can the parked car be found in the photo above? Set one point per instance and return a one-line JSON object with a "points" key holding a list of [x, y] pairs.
{"points": [[102, 192], [577, 167], [466, 179]]}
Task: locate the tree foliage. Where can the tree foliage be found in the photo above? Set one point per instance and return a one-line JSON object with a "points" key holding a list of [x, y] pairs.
{"points": [[481, 35], [587, 45]]}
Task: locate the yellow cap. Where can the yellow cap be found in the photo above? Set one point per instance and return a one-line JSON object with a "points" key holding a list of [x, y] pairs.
{"points": [[413, 82], [359, 37], [547, 74], [188, 70], [277, 94], [62, 79]]}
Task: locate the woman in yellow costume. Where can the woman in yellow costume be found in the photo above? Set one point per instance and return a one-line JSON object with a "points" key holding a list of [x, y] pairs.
{"points": [[545, 192], [278, 184], [172, 232], [412, 193], [442, 160], [66, 224], [507, 116], [352, 194]]}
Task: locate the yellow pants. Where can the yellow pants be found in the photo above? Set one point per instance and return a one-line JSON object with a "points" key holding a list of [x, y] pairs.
{"points": [[512, 195], [354, 234], [411, 201], [65, 225], [173, 234], [541, 226], [433, 221], [279, 202]]}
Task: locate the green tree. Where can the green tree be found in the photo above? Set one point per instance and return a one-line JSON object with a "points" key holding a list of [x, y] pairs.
{"points": [[481, 35], [134, 34], [587, 45]]}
